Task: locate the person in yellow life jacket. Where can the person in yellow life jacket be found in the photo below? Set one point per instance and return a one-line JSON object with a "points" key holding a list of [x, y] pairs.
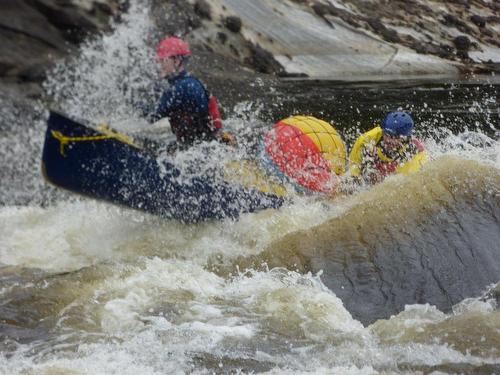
{"points": [[380, 151]]}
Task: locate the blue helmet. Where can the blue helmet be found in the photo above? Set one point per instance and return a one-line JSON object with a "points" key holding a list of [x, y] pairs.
{"points": [[397, 123]]}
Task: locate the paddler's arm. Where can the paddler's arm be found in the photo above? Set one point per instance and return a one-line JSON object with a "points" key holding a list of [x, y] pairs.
{"points": [[169, 100], [353, 179], [356, 157]]}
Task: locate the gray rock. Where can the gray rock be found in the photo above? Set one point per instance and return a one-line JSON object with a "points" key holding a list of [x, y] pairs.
{"points": [[445, 51], [222, 37], [478, 20], [452, 20], [441, 50], [493, 19], [72, 22], [20, 51], [388, 34], [233, 24], [202, 8], [464, 3], [20, 18], [263, 61], [35, 33], [462, 43], [487, 32]]}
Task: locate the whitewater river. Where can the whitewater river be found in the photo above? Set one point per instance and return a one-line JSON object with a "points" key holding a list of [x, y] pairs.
{"points": [[402, 278]]}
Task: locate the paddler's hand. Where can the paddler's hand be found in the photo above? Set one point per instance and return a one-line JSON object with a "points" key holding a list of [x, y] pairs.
{"points": [[227, 138], [159, 127]]}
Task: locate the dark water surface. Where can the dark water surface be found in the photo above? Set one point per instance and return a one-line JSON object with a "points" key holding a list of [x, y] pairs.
{"points": [[444, 102]]}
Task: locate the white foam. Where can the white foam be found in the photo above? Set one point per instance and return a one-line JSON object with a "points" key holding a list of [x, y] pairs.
{"points": [[67, 236], [473, 145], [159, 309], [110, 72]]}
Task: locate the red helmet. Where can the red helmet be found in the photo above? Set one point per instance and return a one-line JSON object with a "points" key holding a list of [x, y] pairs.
{"points": [[172, 47]]}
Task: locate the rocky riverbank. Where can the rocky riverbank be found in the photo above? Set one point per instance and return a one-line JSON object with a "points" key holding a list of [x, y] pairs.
{"points": [[241, 40], [36, 33]]}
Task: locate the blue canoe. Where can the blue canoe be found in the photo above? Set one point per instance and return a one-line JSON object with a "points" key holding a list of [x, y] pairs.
{"points": [[106, 165]]}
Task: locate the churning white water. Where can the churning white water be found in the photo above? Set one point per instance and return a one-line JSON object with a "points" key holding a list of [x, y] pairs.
{"points": [[91, 288]]}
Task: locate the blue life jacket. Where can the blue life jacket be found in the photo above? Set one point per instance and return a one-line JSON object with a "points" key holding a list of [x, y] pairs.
{"points": [[185, 104]]}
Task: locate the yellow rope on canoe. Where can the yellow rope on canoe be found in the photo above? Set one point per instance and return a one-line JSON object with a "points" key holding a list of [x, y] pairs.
{"points": [[107, 134]]}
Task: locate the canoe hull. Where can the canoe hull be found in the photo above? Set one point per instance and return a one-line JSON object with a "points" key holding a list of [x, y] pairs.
{"points": [[102, 165]]}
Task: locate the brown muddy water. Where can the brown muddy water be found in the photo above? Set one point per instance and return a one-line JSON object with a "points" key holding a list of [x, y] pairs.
{"points": [[398, 279]]}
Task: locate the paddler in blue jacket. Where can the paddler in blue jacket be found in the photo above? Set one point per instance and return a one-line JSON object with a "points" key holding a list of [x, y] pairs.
{"points": [[191, 110], [385, 149]]}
